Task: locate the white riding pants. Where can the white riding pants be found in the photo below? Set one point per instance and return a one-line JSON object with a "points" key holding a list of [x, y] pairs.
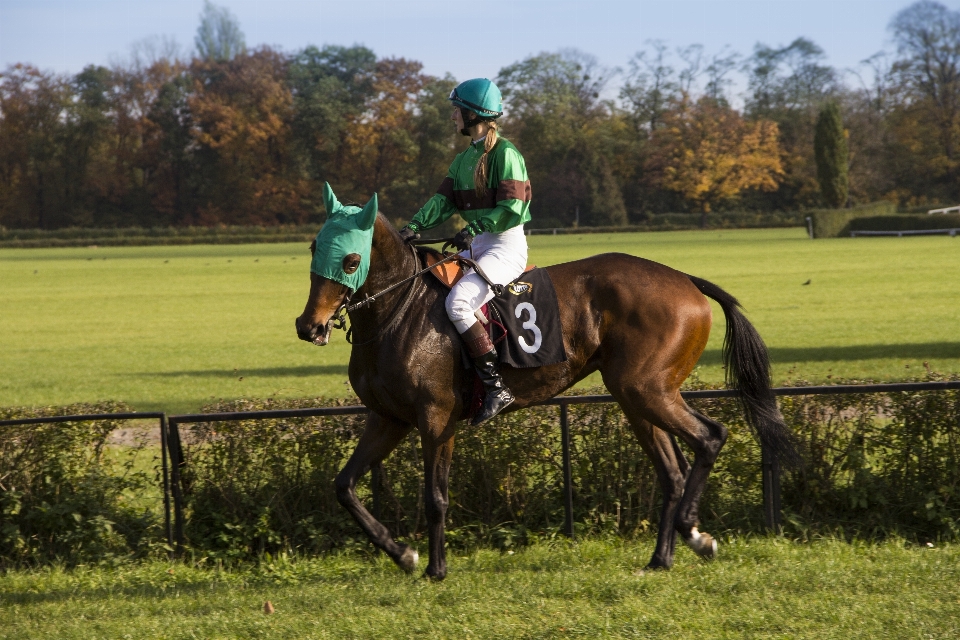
{"points": [[503, 257]]}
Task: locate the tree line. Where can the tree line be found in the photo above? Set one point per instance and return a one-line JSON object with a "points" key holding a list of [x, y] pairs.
{"points": [[243, 136]]}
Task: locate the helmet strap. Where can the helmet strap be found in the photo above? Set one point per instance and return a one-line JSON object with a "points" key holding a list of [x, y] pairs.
{"points": [[470, 120]]}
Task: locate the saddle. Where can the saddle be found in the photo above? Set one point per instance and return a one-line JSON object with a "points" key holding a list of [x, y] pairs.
{"points": [[533, 342], [449, 273]]}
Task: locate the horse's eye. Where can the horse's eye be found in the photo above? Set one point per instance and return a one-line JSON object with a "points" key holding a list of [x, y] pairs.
{"points": [[351, 263]]}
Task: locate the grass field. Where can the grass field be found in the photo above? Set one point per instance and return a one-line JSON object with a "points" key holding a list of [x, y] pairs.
{"points": [[172, 327], [758, 588]]}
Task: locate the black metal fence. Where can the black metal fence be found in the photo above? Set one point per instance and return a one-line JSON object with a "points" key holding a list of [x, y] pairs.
{"points": [[172, 458]]}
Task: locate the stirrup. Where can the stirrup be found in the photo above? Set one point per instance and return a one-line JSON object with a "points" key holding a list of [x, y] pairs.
{"points": [[493, 404]]}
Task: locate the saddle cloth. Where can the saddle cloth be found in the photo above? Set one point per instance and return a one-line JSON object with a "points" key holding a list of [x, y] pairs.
{"points": [[524, 321]]}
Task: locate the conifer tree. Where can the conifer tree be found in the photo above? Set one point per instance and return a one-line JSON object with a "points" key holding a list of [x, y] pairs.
{"points": [[830, 150]]}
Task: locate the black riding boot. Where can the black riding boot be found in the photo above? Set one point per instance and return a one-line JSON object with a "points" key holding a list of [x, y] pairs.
{"points": [[484, 356]]}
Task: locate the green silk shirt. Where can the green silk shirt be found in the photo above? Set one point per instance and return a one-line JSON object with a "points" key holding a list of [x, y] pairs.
{"points": [[506, 203]]}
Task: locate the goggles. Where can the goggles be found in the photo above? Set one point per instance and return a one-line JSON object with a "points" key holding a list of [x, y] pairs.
{"points": [[480, 111]]}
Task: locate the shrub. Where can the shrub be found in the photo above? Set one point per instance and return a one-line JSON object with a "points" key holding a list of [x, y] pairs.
{"points": [[834, 223], [66, 495], [904, 222], [874, 465], [135, 236]]}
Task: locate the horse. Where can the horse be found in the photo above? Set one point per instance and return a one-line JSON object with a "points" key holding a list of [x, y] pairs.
{"points": [[642, 324]]}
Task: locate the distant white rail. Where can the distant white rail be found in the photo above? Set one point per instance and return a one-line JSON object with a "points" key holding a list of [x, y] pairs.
{"points": [[900, 234], [955, 209]]}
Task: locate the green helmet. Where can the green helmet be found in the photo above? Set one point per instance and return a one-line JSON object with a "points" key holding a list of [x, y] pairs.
{"points": [[479, 96]]}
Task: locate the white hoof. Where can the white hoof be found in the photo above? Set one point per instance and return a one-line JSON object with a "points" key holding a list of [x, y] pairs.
{"points": [[702, 544], [408, 560]]}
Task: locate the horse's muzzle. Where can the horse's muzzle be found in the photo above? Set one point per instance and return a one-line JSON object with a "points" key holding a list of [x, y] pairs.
{"points": [[317, 334]]}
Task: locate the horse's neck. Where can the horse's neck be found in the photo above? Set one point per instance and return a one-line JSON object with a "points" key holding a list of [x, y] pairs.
{"points": [[390, 262]]}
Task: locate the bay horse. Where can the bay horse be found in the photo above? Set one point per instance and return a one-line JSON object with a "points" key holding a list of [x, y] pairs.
{"points": [[641, 324]]}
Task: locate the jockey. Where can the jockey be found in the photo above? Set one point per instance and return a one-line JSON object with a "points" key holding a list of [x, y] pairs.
{"points": [[487, 185]]}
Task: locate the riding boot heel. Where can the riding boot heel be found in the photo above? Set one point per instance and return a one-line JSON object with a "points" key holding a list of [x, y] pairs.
{"points": [[498, 397]]}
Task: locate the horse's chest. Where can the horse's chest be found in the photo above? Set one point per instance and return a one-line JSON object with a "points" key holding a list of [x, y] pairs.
{"points": [[381, 383], [399, 377]]}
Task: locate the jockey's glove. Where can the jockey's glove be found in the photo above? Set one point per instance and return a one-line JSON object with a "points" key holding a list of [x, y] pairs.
{"points": [[464, 238], [409, 233]]}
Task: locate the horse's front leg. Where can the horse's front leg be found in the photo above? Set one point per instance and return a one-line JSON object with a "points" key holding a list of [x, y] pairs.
{"points": [[380, 437], [437, 442]]}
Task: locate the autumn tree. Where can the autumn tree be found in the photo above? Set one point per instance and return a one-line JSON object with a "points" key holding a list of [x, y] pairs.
{"points": [[331, 88], [710, 155], [928, 43], [787, 85], [32, 136], [651, 85], [219, 37], [567, 135], [241, 111], [380, 148]]}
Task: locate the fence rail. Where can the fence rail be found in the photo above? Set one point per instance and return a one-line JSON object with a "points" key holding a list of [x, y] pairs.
{"points": [[952, 232], [172, 459]]}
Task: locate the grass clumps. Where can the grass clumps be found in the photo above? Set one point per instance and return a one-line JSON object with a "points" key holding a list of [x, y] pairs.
{"points": [[758, 587]]}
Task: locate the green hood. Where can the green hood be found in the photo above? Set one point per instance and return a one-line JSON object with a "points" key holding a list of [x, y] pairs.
{"points": [[347, 230]]}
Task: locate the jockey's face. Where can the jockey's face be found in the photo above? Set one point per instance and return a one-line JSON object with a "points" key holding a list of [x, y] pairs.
{"points": [[457, 117]]}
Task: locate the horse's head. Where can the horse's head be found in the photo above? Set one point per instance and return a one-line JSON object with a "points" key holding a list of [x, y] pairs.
{"points": [[341, 260]]}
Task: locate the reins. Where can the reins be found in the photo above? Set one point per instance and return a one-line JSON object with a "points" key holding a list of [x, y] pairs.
{"points": [[340, 316], [370, 299]]}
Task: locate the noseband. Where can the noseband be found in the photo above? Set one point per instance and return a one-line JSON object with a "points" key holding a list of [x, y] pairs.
{"points": [[339, 319]]}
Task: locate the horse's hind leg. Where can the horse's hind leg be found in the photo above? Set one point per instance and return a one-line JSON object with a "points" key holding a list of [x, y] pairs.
{"points": [[688, 514], [380, 437], [704, 436], [671, 468]]}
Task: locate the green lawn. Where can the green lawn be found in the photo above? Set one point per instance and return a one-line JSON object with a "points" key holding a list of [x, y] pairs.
{"points": [[172, 327], [757, 588]]}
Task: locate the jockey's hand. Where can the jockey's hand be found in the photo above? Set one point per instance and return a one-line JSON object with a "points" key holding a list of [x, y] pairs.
{"points": [[408, 235], [463, 239]]}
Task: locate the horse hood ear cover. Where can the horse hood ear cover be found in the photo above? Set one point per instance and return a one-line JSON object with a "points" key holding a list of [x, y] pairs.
{"points": [[347, 230]]}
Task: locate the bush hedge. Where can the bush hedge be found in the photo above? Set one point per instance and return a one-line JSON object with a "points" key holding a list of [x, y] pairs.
{"points": [[835, 223], [875, 465], [83, 237], [134, 236], [67, 495], [906, 222], [682, 222]]}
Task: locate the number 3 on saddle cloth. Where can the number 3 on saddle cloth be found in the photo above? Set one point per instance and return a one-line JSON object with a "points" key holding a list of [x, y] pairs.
{"points": [[523, 322]]}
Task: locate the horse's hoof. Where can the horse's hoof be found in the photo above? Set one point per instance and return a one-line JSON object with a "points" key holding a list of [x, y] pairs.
{"points": [[434, 576], [653, 566], [703, 544], [408, 560]]}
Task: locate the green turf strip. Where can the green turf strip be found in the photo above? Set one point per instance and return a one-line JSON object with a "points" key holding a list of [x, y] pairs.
{"points": [[172, 327], [758, 588]]}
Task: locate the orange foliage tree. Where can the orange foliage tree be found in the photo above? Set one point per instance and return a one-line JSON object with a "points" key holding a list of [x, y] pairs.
{"points": [[241, 111], [709, 154], [380, 146]]}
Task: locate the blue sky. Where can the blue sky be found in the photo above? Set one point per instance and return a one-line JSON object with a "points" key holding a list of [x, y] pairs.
{"points": [[466, 39]]}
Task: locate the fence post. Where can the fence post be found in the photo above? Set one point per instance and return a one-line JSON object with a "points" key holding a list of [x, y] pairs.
{"points": [[567, 472], [166, 482], [176, 461], [771, 489]]}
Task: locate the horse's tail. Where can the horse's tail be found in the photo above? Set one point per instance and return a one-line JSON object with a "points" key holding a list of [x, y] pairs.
{"points": [[748, 371]]}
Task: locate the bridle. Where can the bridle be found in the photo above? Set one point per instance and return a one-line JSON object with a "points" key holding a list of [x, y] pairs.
{"points": [[340, 315], [339, 319]]}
